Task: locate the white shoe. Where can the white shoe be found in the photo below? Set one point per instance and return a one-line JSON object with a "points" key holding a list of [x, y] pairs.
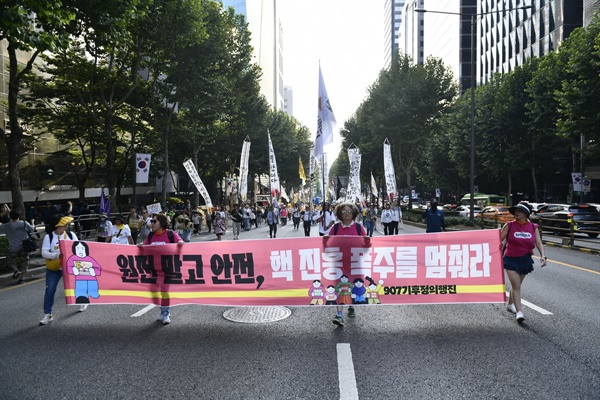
{"points": [[520, 317], [83, 307], [511, 308], [47, 319], [167, 319]]}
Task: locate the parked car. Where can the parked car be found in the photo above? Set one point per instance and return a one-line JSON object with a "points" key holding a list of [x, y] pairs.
{"points": [[465, 211], [496, 213], [547, 210], [583, 217]]}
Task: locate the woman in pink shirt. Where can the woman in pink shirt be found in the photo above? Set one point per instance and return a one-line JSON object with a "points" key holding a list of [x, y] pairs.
{"points": [[161, 234], [522, 237]]}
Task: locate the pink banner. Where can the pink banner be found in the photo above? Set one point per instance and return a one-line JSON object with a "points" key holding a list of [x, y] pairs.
{"points": [[454, 267]]}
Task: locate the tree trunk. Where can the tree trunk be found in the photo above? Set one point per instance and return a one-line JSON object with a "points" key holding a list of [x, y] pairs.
{"points": [[510, 198], [110, 161]]}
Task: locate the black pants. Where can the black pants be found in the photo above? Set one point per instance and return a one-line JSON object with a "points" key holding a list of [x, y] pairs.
{"points": [[307, 228], [296, 222], [388, 228], [272, 230]]}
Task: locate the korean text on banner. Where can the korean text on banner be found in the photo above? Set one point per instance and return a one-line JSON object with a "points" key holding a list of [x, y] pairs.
{"points": [[274, 177], [243, 184], [390, 175], [456, 267], [191, 170], [142, 167]]}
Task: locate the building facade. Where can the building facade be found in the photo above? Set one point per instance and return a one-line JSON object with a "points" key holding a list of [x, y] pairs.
{"points": [[288, 100], [393, 10], [589, 8], [506, 39], [410, 36]]}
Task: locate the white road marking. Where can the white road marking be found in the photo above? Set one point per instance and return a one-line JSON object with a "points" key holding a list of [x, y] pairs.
{"points": [[348, 389], [533, 306], [143, 311]]}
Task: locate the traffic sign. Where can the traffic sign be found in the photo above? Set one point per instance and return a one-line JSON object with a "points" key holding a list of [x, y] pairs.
{"points": [[586, 185]]}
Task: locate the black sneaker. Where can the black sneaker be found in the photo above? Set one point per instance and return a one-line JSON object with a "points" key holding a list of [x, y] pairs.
{"points": [[338, 320], [351, 312], [21, 281]]}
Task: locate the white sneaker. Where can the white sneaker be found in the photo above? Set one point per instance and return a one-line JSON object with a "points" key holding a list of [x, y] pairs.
{"points": [[511, 308], [166, 319], [520, 317], [47, 319], [83, 307]]}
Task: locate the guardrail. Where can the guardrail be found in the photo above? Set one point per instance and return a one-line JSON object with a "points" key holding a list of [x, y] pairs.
{"points": [[558, 228]]}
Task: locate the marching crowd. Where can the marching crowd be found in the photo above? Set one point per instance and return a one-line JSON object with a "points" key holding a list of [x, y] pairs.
{"points": [[140, 227]]}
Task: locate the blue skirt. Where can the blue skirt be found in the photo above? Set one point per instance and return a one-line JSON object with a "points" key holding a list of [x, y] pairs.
{"points": [[523, 264]]}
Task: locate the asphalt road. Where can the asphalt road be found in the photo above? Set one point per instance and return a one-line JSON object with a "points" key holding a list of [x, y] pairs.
{"points": [[388, 352]]}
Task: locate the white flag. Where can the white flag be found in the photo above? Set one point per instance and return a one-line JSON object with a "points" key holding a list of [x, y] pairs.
{"points": [[576, 176], [390, 175], [274, 178], [191, 170], [353, 191], [284, 194], [326, 120], [243, 185], [142, 167], [374, 186]]}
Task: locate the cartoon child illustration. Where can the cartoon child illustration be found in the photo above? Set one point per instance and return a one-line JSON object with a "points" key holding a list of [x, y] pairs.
{"points": [[317, 292], [373, 290], [85, 269], [331, 296], [344, 290], [358, 292]]}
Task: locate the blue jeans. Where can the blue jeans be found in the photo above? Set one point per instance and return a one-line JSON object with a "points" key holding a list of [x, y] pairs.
{"points": [[247, 224], [52, 279], [369, 225], [165, 309]]}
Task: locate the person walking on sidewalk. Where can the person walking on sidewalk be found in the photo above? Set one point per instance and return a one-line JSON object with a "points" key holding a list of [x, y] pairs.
{"points": [[237, 218], [522, 236], [306, 216], [272, 221], [16, 231], [434, 218], [56, 231], [219, 227]]}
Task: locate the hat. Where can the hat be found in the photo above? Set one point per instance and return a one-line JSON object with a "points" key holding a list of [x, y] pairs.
{"points": [[521, 207], [103, 214], [119, 217], [64, 221]]}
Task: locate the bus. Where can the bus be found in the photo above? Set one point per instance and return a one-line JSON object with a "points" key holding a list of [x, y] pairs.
{"points": [[484, 200]]}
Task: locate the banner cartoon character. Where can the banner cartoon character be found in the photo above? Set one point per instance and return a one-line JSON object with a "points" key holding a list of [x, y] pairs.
{"points": [[358, 292], [317, 293], [373, 290], [331, 296], [85, 269], [344, 290]]}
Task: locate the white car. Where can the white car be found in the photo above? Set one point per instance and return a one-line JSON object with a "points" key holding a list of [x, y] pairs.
{"points": [[465, 211]]}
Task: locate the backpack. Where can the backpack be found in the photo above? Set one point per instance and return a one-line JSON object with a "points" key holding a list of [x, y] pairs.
{"points": [[169, 234], [336, 227], [69, 234]]}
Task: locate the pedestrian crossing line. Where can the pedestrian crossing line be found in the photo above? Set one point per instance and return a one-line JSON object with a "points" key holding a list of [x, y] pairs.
{"points": [[143, 311], [347, 377], [533, 306]]}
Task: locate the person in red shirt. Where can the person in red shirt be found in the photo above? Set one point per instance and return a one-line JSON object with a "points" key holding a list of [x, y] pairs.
{"points": [[161, 234], [346, 214], [522, 237]]}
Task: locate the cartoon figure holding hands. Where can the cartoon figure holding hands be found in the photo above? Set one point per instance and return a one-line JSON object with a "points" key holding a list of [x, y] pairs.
{"points": [[85, 269], [358, 292], [317, 293]]}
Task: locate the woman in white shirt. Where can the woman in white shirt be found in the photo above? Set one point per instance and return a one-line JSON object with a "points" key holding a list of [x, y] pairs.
{"points": [[387, 219], [120, 232]]}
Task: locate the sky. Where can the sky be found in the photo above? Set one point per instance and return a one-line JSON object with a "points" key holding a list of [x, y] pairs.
{"points": [[347, 38]]}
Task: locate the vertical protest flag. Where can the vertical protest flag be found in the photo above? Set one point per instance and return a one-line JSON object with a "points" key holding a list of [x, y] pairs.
{"points": [[301, 170], [142, 167], [373, 186], [104, 204], [273, 176], [390, 175], [353, 191], [326, 119], [193, 173], [243, 184]]}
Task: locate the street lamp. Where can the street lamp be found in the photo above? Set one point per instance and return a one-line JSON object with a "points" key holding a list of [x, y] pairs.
{"points": [[472, 168]]}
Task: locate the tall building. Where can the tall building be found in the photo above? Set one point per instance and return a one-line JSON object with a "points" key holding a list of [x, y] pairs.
{"points": [[506, 39], [393, 10], [589, 8], [447, 35], [410, 35], [288, 100], [267, 41]]}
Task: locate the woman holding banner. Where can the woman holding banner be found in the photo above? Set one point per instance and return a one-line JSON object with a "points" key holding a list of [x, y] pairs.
{"points": [[522, 236], [346, 213], [161, 234]]}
